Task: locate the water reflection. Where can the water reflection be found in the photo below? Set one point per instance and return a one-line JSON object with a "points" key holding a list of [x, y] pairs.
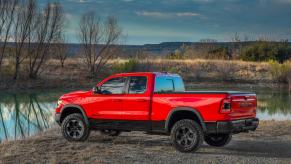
{"points": [[274, 105], [25, 115]]}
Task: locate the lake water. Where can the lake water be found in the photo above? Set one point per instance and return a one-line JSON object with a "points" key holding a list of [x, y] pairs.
{"points": [[26, 114]]}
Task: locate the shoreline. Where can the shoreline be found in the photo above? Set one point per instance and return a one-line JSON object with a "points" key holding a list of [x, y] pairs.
{"points": [[51, 147]]}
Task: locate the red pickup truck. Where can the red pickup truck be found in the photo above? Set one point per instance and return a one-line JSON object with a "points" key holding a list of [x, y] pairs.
{"points": [[157, 103]]}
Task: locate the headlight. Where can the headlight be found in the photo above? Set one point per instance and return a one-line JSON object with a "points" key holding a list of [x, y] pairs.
{"points": [[59, 102]]}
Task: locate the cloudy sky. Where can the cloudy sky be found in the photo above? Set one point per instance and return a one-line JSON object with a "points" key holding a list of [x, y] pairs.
{"points": [[155, 21]]}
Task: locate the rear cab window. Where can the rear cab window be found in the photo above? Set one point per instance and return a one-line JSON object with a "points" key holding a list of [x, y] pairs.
{"points": [[137, 85], [169, 84]]}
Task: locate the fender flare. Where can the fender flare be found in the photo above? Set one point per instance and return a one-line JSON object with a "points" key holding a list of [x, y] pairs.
{"points": [[189, 109], [77, 107]]}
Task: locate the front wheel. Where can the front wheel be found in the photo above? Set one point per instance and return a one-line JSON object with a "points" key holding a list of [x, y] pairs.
{"points": [[218, 140], [74, 128], [186, 135]]}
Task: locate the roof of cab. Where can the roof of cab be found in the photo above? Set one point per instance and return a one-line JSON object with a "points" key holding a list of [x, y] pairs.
{"points": [[146, 73]]}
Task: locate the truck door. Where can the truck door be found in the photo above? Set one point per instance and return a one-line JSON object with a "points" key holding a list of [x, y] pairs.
{"points": [[109, 104], [136, 103]]}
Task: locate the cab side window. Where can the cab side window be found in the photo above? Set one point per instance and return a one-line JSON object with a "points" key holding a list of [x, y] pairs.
{"points": [[114, 86], [179, 84], [164, 84], [137, 85], [169, 84]]}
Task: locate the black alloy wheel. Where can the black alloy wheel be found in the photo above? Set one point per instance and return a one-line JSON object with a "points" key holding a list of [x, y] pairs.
{"points": [[74, 128], [186, 135]]}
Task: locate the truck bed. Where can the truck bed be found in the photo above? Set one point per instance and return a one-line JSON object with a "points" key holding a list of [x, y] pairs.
{"points": [[215, 92]]}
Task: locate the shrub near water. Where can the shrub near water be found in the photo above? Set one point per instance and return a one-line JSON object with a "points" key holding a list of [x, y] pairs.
{"points": [[280, 72]]}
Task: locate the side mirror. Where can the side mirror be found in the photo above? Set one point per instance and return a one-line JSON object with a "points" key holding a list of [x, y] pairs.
{"points": [[96, 90]]}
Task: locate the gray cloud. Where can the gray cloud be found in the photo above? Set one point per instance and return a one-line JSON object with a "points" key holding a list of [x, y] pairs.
{"points": [[158, 14], [144, 20]]}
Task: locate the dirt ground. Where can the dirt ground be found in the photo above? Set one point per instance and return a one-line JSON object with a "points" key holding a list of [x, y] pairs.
{"points": [[271, 143]]}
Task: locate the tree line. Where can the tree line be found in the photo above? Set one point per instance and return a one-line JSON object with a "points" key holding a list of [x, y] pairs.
{"points": [[258, 50], [30, 35]]}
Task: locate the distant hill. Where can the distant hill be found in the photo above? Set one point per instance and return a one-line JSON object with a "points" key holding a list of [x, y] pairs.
{"points": [[152, 49], [163, 48]]}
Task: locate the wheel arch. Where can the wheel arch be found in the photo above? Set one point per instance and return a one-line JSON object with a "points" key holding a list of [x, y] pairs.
{"points": [[70, 109], [174, 116]]}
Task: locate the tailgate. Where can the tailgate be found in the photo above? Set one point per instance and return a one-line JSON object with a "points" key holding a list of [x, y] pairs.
{"points": [[243, 105]]}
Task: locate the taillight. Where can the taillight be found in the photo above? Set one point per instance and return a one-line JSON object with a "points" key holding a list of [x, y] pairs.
{"points": [[225, 106]]}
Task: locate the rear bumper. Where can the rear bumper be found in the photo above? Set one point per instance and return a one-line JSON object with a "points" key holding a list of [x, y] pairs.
{"points": [[58, 118], [236, 126]]}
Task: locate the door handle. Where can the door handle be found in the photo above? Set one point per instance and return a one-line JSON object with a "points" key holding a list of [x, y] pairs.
{"points": [[141, 100], [116, 100]]}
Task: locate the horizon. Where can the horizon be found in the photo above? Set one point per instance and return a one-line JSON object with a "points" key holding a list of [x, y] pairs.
{"points": [[153, 22], [179, 42]]}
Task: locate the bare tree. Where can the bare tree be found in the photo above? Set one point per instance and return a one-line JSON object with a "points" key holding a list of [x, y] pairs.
{"points": [[7, 13], [141, 54], [22, 29], [3, 17], [98, 40], [34, 32], [208, 45], [60, 50], [48, 26], [236, 37], [236, 46]]}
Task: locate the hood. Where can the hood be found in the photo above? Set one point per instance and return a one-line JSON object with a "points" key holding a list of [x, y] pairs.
{"points": [[74, 94]]}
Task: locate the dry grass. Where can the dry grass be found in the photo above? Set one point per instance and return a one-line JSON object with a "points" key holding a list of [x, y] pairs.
{"points": [[75, 72], [289, 78], [213, 70]]}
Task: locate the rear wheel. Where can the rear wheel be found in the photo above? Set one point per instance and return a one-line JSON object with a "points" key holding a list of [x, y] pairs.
{"points": [[74, 128], [186, 135], [112, 133], [218, 140]]}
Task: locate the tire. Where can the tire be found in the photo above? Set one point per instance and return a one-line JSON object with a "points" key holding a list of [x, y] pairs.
{"points": [[186, 136], [74, 128], [218, 140], [112, 133]]}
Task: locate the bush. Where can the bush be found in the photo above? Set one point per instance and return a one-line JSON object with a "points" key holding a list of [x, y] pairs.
{"points": [[289, 77], [265, 51], [200, 51], [175, 56], [226, 71], [129, 66], [179, 53], [219, 53], [279, 71]]}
